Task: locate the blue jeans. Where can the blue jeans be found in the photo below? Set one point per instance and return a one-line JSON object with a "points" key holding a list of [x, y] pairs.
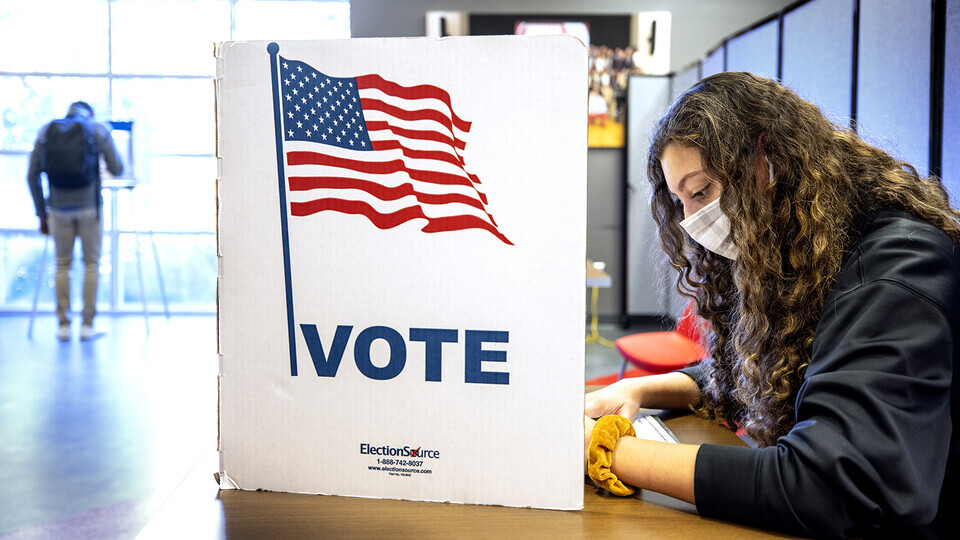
{"points": [[65, 227]]}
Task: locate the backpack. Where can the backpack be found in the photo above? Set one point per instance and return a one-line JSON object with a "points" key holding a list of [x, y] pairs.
{"points": [[71, 159]]}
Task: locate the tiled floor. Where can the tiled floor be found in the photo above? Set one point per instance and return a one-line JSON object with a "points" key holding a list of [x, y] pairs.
{"points": [[95, 435], [603, 359]]}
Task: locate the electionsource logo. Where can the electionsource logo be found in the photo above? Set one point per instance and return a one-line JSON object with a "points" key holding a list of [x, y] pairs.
{"points": [[406, 451]]}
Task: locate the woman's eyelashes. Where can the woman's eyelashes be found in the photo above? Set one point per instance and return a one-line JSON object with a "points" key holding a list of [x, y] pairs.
{"points": [[701, 193]]}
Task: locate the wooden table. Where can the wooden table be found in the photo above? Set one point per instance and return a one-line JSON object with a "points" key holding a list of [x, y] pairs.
{"points": [[198, 510]]}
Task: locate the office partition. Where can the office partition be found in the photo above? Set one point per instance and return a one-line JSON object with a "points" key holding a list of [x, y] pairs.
{"points": [[818, 55], [950, 169], [755, 50], [893, 88], [714, 62], [890, 70], [648, 287], [682, 80]]}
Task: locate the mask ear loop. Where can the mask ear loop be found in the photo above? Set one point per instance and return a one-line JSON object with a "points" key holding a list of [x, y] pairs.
{"points": [[770, 169]]}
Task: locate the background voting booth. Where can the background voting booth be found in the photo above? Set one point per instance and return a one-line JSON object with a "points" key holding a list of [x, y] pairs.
{"points": [[122, 133], [401, 236]]}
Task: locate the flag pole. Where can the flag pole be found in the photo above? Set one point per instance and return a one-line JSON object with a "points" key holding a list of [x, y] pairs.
{"points": [[274, 49]]}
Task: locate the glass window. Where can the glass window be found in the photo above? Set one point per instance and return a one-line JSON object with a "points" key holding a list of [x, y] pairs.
{"points": [[20, 258], [16, 205], [24, 258], [168, 37], [171, 116], [188, 270], [104, 292], [258, 19], [150, 62], [29, 102], [180, 197], [54, 36]]}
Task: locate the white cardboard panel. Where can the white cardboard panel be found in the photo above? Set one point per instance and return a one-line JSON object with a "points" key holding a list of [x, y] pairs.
{"points": [[500, 409]]}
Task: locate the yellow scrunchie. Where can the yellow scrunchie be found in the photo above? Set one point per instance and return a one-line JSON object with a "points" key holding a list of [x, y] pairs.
{"points": [[603, 439]]}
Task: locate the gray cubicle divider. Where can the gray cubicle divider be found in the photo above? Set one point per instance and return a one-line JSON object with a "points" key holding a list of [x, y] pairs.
{"points": [[950, 147], [890, 70], [755, 51], [683, 80], [893, 90], [714, 62], [818, 55], [650, 284]]}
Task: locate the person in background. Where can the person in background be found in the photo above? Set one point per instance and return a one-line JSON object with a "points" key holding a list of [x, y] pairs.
{"points": [[69, 152], [829, 274], [596, 108]]}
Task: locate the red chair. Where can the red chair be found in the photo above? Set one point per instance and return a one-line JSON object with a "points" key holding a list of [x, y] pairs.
{"points": [[662, 352]]}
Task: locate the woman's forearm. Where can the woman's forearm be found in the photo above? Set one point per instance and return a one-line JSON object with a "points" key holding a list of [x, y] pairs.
{"points": [[670, 391], [657, 466]]}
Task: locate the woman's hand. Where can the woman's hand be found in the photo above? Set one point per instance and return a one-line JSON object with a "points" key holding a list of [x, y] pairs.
{"points": [[626, 396], [587, 431], [621, 397]]}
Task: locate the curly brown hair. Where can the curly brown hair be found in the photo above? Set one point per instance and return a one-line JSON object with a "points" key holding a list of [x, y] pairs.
{"points": [[792, 235]]}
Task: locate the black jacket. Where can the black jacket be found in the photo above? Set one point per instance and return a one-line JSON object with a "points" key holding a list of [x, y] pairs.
{"points": [[874, 451]]}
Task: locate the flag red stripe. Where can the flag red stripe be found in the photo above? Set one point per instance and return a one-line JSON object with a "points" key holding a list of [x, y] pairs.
{"points": [[415, 134], [438, 155], [382, 221], [389, 221], [409, 115], [459, 223], [377, 167], [425, 154], [412, 92], [384, 193]]}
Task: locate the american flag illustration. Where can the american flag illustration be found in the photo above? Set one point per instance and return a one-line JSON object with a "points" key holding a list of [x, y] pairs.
{"points": [[368, 146]]}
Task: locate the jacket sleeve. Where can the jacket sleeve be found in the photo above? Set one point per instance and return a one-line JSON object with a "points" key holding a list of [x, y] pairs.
{"points": [[33, 175], [873, 428], [696, 373]]}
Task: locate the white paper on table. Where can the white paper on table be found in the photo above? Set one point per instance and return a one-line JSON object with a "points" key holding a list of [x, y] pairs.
{"points": [[652, 428]]}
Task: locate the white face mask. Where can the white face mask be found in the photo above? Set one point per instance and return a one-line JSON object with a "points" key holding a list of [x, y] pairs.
{"points": [[711, 228]]}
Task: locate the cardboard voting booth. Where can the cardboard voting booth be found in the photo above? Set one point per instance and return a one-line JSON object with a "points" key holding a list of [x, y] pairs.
{"points": [[401, 233]]}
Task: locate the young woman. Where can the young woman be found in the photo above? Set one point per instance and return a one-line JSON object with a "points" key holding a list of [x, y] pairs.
{"points": [[829, 273]]}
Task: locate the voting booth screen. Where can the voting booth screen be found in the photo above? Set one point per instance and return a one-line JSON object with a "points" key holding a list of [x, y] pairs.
{"points": [[401, 228]]}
